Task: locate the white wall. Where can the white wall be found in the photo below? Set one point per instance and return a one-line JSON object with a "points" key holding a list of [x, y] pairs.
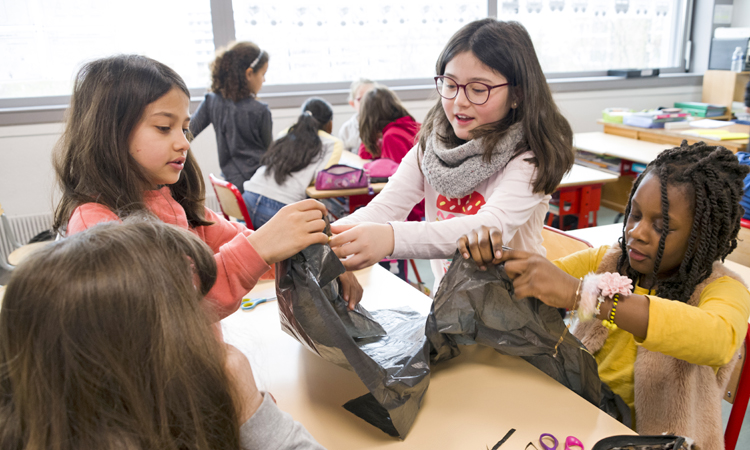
{"points": [[27, 179], [741, 14]]}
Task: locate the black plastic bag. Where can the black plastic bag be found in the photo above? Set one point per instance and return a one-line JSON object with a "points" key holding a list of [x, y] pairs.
{"points": [[478, 307], [387, 350]]}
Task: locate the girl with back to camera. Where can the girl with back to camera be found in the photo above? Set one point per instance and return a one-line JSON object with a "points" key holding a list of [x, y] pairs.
{"points": [[125, 150], [125, 357], [242, 123], [668, 345], [490, 152], [292, 162]]}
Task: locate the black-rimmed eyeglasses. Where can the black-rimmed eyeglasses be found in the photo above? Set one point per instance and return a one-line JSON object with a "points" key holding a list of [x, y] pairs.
{"points": [[476, 92]]}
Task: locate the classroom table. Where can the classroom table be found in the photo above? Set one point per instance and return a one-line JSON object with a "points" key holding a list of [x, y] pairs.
{"points": [[674, 138], [615, 195], [471, 403], [579, 193], [608, 235]]}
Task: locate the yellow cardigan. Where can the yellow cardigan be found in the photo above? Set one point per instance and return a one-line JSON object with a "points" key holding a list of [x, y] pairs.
{"points": [[708, 335]]}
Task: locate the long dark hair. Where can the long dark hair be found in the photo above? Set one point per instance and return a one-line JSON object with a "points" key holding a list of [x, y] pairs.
{"points": [[301, 145], [379, 107], [712, 179], [105, 342], [228, 69], [506, 47], [92, 158]]}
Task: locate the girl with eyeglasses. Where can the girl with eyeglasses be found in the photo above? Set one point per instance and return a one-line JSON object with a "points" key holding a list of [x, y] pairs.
{"points": [[490, 152], [242, 123]]}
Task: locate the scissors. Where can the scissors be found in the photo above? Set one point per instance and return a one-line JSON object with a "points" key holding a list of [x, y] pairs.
{"points": [[248, 304], [570, 442]]}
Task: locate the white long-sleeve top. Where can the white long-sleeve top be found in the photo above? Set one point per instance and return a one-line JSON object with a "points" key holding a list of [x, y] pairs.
{"points": [[505, 200]]}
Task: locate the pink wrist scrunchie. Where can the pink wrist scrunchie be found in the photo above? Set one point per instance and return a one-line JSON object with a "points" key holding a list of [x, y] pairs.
{"points": [[597, 287]]}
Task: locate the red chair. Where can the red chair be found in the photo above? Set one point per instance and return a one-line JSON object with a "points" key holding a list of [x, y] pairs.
{"points": [[230, 200], [738, 395]]}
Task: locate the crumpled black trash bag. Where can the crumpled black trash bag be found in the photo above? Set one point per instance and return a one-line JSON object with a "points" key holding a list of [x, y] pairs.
{"points": [[387, 350], [478, 307]]}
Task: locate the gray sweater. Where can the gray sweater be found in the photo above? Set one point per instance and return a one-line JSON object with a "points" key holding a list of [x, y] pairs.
{"points": [[273, 429], [243, 133]]}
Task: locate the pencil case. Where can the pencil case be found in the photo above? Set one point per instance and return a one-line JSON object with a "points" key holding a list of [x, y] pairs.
{"points": [[340, 176]]}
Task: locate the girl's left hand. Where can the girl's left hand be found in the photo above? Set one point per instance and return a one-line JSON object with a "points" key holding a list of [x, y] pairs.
{"points": [[362, 244], [351, 290]]}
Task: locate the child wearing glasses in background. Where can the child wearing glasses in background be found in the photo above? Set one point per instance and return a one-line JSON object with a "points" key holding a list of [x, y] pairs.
{"points": [[490, 152], [242, 123], [349, 131]]}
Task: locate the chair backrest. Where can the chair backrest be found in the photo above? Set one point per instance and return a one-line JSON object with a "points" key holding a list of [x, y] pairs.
{"points": [[741, 254], [230, 200], [738, 393], [559, 243]]}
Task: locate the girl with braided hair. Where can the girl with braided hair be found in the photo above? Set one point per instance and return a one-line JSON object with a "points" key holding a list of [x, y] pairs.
{"points": [[668, 345]]}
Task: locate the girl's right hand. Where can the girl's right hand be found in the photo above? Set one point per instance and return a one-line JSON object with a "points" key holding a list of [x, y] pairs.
{"points": [[294, 228]]}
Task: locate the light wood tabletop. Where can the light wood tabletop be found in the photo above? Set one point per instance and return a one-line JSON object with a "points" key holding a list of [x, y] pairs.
{"points": [[471, 403], [673, 138], [581, 176], [621, 147]]}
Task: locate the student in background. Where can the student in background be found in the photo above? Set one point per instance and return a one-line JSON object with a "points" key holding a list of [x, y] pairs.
{"points": [[292, 162], [124, 355], [242, 123], [387, 131], [491, 151], [386, 128], [667, 347], [349, 131], [135, 158]]}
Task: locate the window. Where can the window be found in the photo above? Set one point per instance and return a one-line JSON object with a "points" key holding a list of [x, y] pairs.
{"points": [[341, 40], [319, 46], [596, 35], [43, 43]]}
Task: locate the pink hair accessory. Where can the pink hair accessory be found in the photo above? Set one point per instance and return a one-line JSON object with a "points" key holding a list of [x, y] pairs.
{"points": [[597, 287]]}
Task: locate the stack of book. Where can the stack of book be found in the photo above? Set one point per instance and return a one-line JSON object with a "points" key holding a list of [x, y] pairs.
{"points": [[699, 109], [654, 119], [596, 161]]}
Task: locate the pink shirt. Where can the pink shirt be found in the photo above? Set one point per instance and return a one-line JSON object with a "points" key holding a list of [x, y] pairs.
{"points": [[238, 264]]}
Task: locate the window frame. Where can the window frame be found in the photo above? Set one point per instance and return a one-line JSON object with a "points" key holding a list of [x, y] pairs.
{"points": [[33, 110]]}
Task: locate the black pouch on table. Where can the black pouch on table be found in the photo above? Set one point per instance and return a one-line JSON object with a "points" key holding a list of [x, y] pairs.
{"points": [[661, 442], [478, 307]]}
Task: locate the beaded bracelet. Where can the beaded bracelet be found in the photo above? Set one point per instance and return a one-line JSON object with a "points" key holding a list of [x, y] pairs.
{"points": [[610, 323], [574, 312]]}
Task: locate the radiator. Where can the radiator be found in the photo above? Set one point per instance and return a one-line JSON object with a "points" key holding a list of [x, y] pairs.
{"points": [[26, 227], [23, 228]]}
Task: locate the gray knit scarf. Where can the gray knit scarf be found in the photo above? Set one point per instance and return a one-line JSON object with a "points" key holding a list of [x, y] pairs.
{"points": [[455, 172]]}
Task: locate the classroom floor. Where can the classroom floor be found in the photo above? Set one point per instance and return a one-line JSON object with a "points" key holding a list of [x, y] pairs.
{"points": [[605, 217]]}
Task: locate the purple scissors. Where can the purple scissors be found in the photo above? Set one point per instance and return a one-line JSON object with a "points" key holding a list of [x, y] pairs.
{"points": [[570, 443]]}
